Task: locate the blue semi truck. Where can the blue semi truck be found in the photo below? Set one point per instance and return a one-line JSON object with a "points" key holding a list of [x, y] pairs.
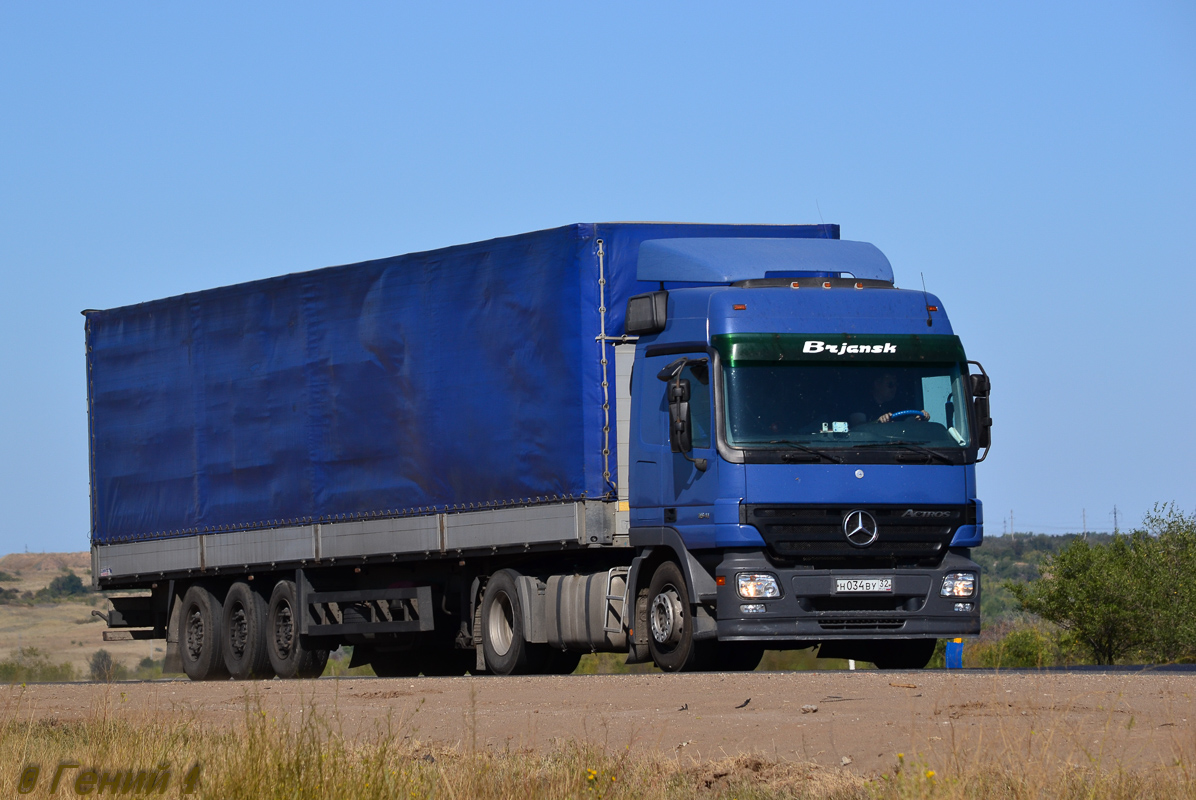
{"points": [[685, 443]]}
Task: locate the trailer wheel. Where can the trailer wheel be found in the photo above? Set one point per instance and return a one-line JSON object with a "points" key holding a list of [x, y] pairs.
{"points": [[904, 653], [244, 625], [502, 627], [289, 656], [670, 621], [200, 636]]}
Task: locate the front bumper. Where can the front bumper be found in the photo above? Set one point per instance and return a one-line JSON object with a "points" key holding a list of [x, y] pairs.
{"points": [[810, 610]]}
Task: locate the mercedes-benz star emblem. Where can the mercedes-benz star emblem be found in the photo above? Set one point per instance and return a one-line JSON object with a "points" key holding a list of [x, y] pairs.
{"points": [[860, 528]]}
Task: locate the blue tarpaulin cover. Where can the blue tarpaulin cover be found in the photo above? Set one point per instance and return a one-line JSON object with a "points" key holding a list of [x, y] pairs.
{"points": [[443, 380]]}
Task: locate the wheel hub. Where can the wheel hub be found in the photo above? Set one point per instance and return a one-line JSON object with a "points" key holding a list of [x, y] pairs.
{"points": [[284, 631], [666, 616], [238, 631], [501, 624], [194, 634]]}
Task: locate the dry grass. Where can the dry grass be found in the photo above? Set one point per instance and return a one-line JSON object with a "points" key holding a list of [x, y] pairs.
{"points": [[307, 755]]}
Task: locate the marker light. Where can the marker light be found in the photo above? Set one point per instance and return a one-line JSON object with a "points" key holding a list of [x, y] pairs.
{"points": [[739, 307], [826, 284], [721, 580], [959, 584], [795, 285], [932, 308], [753, 585], [859, 285]]}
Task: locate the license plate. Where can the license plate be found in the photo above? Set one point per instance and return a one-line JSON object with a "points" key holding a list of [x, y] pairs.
{"points": [[864, 585]]}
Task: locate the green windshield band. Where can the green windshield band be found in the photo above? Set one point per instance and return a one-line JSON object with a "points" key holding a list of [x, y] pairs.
{"points": [[736, 348]]}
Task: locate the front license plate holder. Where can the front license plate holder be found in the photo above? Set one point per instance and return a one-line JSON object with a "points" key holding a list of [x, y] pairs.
{"points": [[863, 586]]}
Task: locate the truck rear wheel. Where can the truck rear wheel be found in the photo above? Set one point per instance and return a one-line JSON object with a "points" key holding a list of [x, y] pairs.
{"points": [[670, 620], [200, 637], [506, 651], [288, 654], [244, 625]]}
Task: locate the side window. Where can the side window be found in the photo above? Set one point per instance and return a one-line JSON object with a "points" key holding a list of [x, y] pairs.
{"points": [[698, 375]]}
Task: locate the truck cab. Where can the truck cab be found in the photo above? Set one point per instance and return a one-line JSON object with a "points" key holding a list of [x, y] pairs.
{"points": [[802, 452]]}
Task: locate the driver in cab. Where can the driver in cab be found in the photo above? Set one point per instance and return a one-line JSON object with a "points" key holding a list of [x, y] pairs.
{"points": [[882, 403]]}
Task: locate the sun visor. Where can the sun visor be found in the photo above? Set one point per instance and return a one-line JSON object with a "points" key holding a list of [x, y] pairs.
{"points": [[718, 260]]}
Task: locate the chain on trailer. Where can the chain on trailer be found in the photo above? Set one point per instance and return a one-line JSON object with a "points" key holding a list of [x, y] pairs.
{"points": [[602, 339]]}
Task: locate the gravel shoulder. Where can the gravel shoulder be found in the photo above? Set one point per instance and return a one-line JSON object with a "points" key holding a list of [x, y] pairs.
{"points": [[1132, 720]]}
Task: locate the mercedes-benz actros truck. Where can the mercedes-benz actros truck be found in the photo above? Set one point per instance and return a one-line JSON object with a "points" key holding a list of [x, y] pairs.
{"points": [[685, 443]]}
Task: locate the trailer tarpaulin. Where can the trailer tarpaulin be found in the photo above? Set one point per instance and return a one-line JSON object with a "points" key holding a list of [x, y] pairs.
{"points": [[451, 379]]}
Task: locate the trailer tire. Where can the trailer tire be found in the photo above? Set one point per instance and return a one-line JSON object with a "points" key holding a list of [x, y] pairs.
{"points": [[290, 656], [201, 636], [670, 621], [244, 625], [903, 653], [503, 643]]}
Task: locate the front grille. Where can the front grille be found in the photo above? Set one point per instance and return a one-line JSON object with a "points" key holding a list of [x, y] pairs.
{"points": [[814, 534], [861, 623]]}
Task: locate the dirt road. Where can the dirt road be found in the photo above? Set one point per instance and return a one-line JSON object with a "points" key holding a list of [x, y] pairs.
{"points": [[1135, 720]]}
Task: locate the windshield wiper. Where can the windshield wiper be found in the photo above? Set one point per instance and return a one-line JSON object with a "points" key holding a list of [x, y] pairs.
{"points": [[807, 449], [914, 446]]}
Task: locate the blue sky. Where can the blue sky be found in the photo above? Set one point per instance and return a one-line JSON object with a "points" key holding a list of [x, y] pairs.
{"points": [[1034, 161]]}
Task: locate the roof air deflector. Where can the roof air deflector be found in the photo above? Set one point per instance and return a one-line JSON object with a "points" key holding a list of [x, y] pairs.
{"points": [[727, 260]]}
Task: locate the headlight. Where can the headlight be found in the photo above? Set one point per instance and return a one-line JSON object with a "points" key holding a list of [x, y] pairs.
{"points": [[753, 585], [959, 584]]}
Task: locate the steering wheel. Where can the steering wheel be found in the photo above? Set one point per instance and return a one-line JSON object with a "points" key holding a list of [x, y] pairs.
{"points": [[909, 413]]}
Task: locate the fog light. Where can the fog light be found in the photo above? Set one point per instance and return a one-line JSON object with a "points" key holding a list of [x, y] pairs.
{"points": [[959, 584], [752, 608], [963, 606], [753, 585]]}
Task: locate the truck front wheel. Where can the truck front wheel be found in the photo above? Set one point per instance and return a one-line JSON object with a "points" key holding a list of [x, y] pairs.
{"points": [[289, 657], [670, 620], [201, 636]]}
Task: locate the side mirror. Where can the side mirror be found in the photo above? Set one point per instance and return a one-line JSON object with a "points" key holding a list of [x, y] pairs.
{"points": [[680, 424], [981, 389], [680, 432], [984, 423]]}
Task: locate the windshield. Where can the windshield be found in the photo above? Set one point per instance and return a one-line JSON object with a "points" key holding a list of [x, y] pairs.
{"points": [[856, 398]]}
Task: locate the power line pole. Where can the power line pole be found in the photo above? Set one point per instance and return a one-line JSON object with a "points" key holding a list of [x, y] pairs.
{"points": [[1115, 529], [1084, 516]]}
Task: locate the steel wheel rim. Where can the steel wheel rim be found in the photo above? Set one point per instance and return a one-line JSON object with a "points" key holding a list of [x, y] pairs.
{"points": [[284, 630], [195, 633], [500, 624], [238, 630], [665, 615]]}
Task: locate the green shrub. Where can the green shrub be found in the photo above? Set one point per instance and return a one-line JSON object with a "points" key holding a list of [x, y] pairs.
{"points": [[31, 665], [103, 668], [1133, 597]]}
